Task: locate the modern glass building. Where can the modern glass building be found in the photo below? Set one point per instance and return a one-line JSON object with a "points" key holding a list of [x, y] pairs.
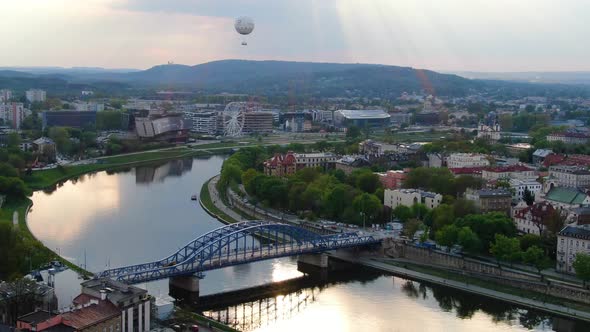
{"points": [[76, 119], [361, 118]]}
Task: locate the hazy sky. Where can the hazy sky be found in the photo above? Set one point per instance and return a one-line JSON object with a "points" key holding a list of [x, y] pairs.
{"points": [[482, 35]]}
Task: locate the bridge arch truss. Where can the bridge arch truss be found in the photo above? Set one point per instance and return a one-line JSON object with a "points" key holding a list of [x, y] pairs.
{"points": [[236, 244]]}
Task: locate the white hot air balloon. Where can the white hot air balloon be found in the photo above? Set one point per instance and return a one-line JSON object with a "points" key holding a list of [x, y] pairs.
{"points": [[244, 26]]}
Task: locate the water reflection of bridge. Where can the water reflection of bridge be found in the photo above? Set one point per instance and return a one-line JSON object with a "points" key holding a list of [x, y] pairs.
{"points": [[255, 307], [251, 315]]}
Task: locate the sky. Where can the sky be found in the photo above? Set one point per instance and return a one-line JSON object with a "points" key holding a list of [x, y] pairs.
{"points": [[445, 35]]}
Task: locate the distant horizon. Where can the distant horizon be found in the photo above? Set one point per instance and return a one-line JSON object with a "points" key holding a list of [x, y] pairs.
{"points": [[9, 67]]}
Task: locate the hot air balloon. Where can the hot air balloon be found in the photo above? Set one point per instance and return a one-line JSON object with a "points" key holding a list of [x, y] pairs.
{"points": [[244, 26]]}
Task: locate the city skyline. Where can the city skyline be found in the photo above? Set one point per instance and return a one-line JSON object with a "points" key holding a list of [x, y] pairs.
{"points": [[462, 35]]}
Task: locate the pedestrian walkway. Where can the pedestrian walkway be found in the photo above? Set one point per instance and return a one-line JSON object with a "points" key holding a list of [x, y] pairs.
{"points": [[216, 199], [557, 309]]}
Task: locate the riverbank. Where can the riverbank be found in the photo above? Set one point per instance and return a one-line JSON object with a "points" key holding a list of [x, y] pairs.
{"points": [[47, 178], [21, 208], [476, 286], [208, 203]]}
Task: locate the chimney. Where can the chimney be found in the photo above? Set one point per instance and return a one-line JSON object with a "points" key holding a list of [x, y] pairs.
{"points": [[103, 294]]}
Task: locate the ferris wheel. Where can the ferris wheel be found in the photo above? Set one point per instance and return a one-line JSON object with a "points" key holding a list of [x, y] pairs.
{"points": [[233, 119]]}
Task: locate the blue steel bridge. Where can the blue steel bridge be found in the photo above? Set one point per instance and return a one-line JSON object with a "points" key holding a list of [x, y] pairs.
{"points": [[237, 244]]}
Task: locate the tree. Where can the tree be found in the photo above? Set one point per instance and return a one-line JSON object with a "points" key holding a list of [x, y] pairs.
{"points": [[439, 180], [442, 215], [463, 207], [312, 198], [529, 240], [506, 249], [248, 176], [337, 199], [486, 226], [466, 181], [419, 211], [368, 182], [535, 256], [582, 266], [554, 223], [368, 205], [402, 212], [229, 173], [7, 170], [61, 137], [13, 140], [353, 132], [412, 226], [13, 187], [467, 239], [447, 236], [528, 197]]}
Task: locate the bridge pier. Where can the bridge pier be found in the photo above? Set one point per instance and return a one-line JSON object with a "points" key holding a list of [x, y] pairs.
{"points": [[320, 260], [314, 265], [185, 283]]}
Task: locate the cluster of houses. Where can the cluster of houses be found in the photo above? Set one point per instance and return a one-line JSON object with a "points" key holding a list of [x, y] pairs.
{"points": [[103, 305], [558, 185]]}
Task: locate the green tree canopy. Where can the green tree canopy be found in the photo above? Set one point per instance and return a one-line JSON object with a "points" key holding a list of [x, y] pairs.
{"points": [[447, 236], [369, 205], [582, 266], [486, 226], [402, 212], [536, 257], [506, 249]]}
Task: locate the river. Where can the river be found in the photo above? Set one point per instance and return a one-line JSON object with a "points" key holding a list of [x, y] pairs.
{"points": [[111, 219]]}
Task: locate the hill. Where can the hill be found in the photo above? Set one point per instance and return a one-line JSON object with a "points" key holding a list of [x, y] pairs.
{"points": [[301, 78], [284, 78]]}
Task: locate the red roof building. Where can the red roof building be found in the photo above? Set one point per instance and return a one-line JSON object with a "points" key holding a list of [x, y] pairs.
{"points": [[553, 159], [519, 171], [533, 219], [281, 165]]}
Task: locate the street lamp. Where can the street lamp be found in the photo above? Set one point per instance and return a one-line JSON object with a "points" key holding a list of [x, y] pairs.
{"points": [[363, 215]]}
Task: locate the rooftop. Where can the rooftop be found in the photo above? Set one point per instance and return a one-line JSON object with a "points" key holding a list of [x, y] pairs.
{"points": [[90, 315], [566, 195], [542, 153], [364, 114], [577, 232], [510, 168], [116, 291], [36, 317], [578, 170], [494, 193]]}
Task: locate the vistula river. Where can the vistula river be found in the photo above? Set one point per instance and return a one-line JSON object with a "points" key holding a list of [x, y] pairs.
{"points": [[111, 219]]}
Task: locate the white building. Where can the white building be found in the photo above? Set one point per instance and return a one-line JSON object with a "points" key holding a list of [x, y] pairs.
{"points": [[5, 95], [409, 197], [489, 133], [203, 122], [569, 176], [35, 95], [519, 186], [89, 107], [571, 241], [324, 160], [569, 138], [461, 160]]}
